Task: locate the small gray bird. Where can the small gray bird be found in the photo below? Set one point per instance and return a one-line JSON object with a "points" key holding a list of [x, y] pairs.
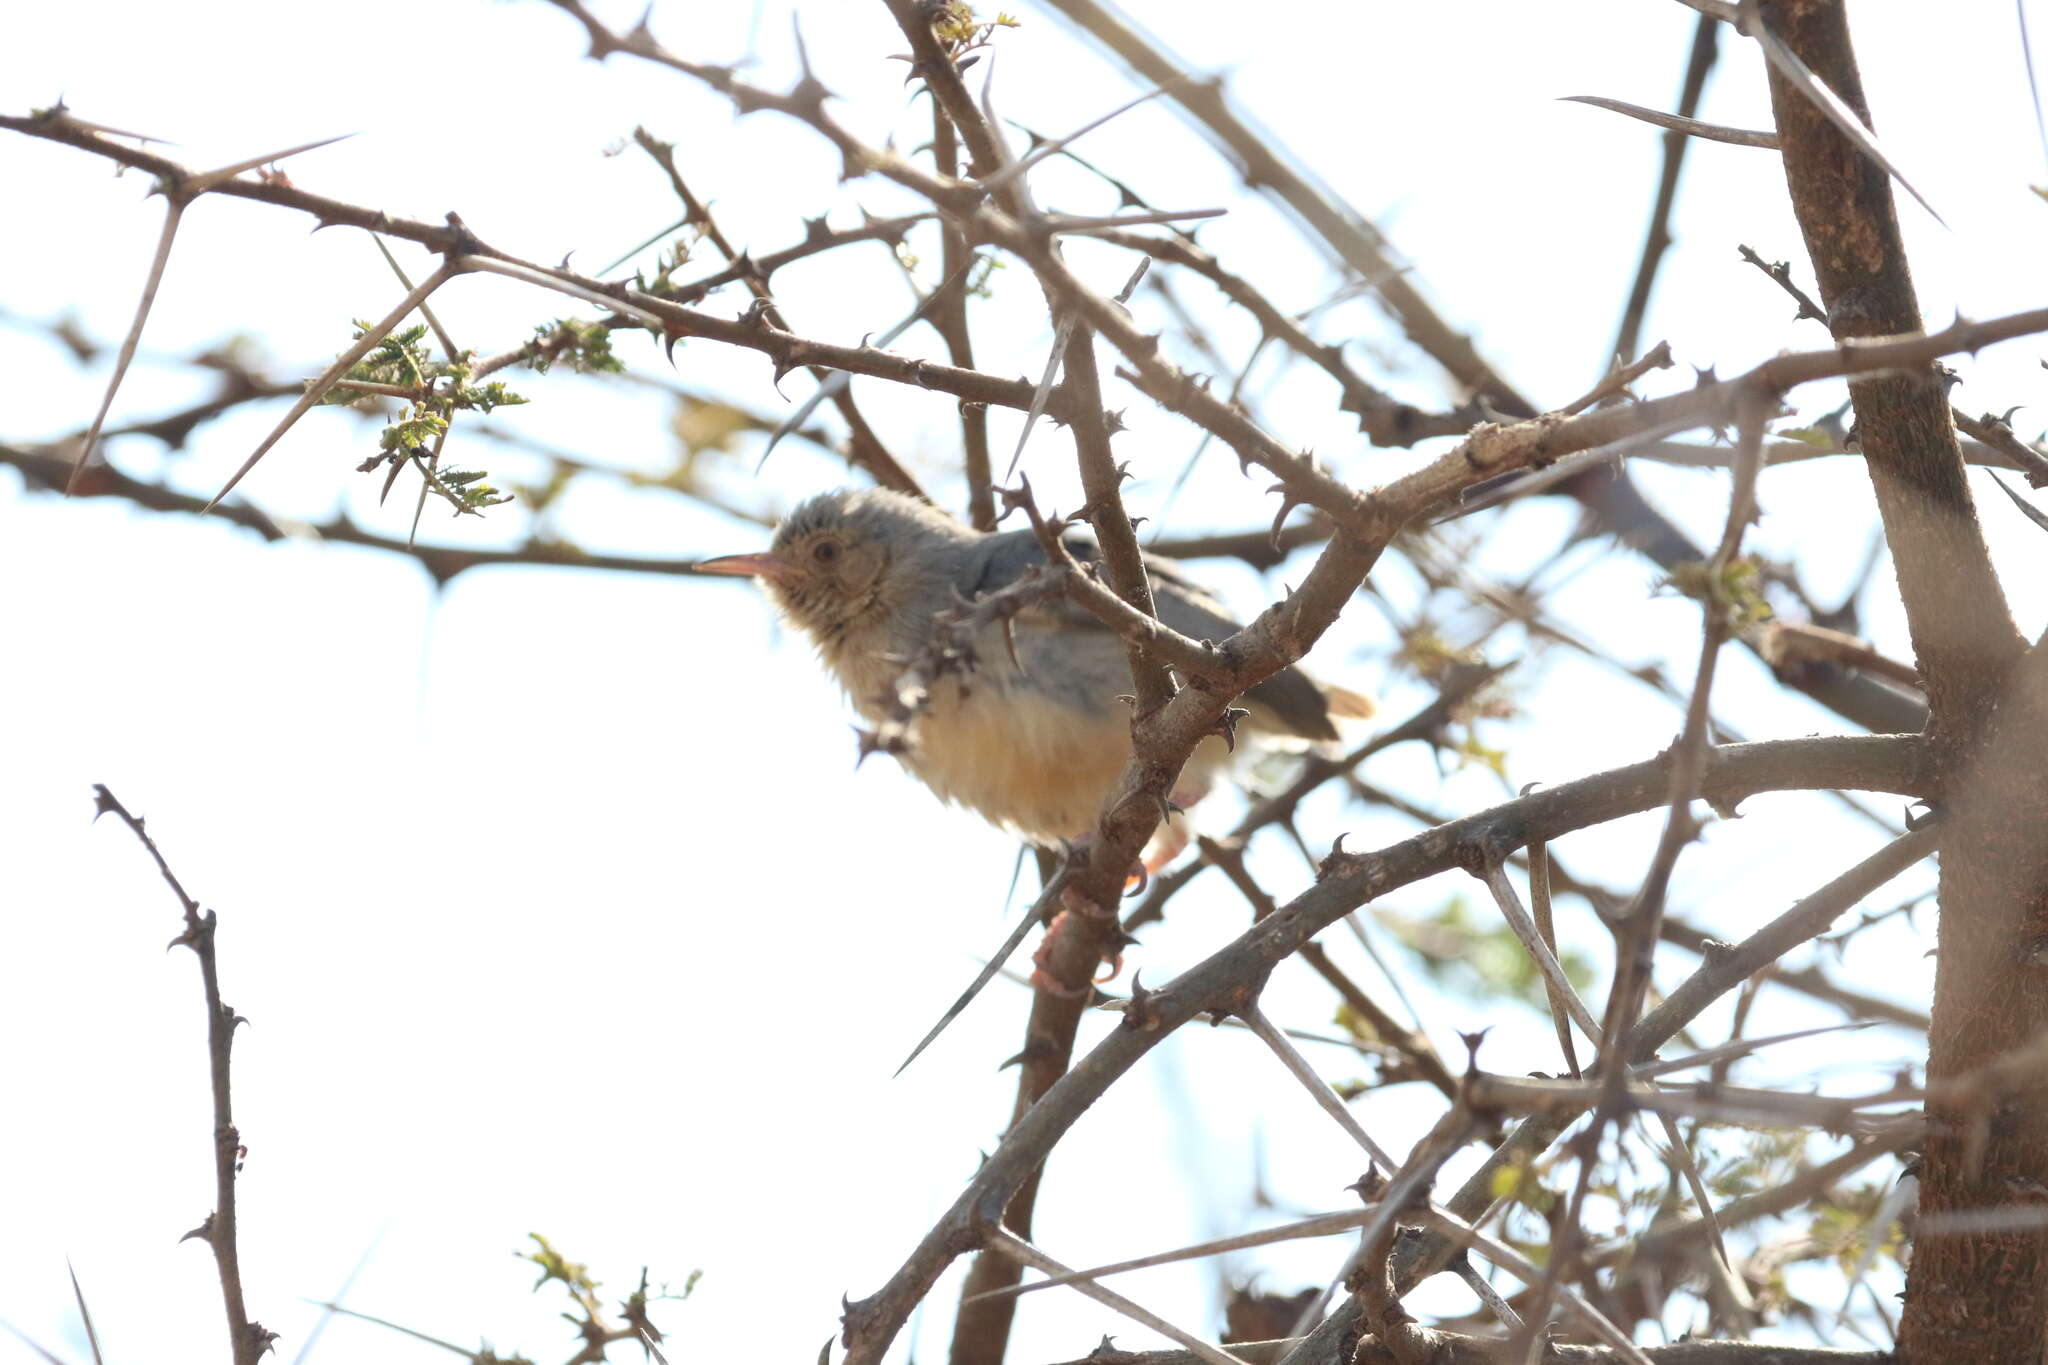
{"points": [[1033, 740]]}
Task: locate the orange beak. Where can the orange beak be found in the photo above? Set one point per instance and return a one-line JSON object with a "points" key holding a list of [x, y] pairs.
{"points": [[766, 564]]}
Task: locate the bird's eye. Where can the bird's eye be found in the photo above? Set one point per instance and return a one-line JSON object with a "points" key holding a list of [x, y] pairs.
{"points": [[825, 551]]}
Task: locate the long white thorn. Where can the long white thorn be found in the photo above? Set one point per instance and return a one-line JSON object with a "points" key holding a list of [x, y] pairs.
{"points": [[318, 388], [174, 211]]}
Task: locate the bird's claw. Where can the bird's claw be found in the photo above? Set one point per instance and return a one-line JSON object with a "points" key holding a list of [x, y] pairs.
{"points": [[1042, 977], [1072, 902], [1042, 980]]}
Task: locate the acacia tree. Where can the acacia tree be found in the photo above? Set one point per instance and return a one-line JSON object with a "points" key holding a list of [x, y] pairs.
{"points": [[1962, 727]]}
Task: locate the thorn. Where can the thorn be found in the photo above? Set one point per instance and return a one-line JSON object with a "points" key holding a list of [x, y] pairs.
{"points": [[200, 184], [809, 89], [1141, 1011], [1725, 808], [869, 743], [1488, 412], [466, 241], [1338, 861], [1015, 499], [1368, 1186], [1144, 262], [1287, 504]]}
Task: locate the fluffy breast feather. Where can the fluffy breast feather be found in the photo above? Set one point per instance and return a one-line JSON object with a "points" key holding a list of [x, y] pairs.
{"points": [[1020, 756], [1034, 744]]}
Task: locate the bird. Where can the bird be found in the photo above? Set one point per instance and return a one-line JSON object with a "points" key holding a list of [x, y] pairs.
{"points": [[1037, 734]]}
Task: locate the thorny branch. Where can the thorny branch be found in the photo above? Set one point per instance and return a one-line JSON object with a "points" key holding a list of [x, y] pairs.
{"points": [[1233, 976], [1184, 688], [248, 1339], [866, 447], [1612, 503]]}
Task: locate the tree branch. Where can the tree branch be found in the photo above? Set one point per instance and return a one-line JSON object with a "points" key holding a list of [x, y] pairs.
{"points": [[248, 1339], [1963, 635], [1233, 976]]}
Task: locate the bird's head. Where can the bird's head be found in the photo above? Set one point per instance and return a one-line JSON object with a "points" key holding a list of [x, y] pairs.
{"points": [[847, 563]]}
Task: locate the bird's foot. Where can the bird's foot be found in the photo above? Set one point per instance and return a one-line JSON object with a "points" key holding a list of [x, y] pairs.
{"points": [[1066, 924], [1078, 853], [1073, 902]]}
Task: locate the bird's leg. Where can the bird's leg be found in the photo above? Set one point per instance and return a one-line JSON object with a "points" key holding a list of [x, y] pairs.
{"points": [[1168, 842], [1077, 915], [1078, 853], [1064, 926]]}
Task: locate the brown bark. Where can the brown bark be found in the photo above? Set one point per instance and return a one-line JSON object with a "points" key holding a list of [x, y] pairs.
{"points": [[1456, 1349], [1988, 1291], [1963, 635], [1984, 1293], [981, 1332]]}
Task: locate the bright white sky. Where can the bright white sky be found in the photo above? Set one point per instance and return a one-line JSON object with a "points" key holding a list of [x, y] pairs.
{"points": [[554, 899]]}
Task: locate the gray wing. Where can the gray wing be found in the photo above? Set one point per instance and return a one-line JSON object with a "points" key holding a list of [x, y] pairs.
{"points": [[1293, 700]]}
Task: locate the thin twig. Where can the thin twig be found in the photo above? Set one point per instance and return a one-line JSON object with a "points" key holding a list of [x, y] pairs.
{"points": [[1540, 952], [1322, 1225], [1023, 1253], [1539, 901], [248, 1339], [1327, 1099]]}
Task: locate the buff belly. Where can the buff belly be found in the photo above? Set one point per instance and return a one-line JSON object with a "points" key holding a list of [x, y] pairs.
{"points": [[1025, 760]]}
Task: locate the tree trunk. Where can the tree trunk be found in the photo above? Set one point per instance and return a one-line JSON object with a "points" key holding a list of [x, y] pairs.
{"points": [[1987, 1290], [1977, 1294]]}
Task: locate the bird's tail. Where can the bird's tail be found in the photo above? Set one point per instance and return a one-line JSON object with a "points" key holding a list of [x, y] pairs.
{"points": [[1348, 705]]}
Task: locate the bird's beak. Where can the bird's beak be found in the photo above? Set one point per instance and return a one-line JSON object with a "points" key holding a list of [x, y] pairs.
{"points": [[766, 564]]}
